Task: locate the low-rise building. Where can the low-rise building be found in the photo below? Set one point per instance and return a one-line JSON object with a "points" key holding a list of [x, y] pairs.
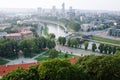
{"points": [[114, 31], [19, 36]]}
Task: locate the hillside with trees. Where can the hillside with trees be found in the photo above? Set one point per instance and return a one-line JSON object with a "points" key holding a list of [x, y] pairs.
{"points": [[106, 67]]}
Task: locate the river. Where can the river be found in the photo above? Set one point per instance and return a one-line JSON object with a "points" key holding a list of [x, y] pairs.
{"points": [[57, 30]]}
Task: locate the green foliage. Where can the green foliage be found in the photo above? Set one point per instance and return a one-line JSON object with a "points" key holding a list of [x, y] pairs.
{"points": [[9, 30], [100, 67], [66, 55], [101, 48], [45, 30], [61, 55], [109, 49], [94, 47], [59, 70], [86, 68], [72, 42], [74, 26], [27, 46], [41, 42], [33, 73], [113, 49], [53, 53], [52, 36], [2, 62], [50, 44], [62, 40], [8, 48], [18, 74], [86, 45], [105, 40]]}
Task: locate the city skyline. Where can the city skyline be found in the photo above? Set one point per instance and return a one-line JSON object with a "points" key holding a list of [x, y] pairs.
{"points": [[76, 4]]}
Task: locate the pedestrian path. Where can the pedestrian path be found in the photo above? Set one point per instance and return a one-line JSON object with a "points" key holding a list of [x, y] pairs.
{"points": [[21, 60], [5, 59]]}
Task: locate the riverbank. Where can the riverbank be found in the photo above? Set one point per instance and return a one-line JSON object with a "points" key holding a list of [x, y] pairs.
{"points": [[45, 31], [106, 40]]}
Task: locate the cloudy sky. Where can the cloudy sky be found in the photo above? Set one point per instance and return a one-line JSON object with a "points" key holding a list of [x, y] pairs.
{"points": [[77, 4]]}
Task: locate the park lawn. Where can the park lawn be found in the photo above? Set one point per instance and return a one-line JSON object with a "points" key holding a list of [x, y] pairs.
{"points": [[2, 62], [105, 40], [33, 54], [61, 55], [46, 56], [30, 55]]}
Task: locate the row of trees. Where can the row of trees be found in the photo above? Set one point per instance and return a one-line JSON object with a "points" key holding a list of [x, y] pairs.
{"points": [[85, 68], [103, 48], [107, 49], [28, 46]]}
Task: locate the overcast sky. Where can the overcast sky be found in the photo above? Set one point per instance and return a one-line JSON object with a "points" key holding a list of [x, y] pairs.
{"points": [[77, 4]]}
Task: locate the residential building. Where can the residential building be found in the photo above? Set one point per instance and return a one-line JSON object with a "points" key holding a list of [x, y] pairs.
{"points": [[19, 36]]}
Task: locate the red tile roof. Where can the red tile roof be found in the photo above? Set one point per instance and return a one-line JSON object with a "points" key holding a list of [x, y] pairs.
{"points": [[7, 68], [72, 60], [13, 34], [19, 34]]}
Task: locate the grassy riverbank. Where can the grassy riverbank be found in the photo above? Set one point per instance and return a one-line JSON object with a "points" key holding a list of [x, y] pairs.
{"points": [[105, 40]]}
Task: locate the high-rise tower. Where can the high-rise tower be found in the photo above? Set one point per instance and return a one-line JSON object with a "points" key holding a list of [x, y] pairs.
{"points": [[63, 8]]}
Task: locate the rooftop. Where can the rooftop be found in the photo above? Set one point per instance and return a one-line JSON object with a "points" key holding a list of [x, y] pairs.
{"points": [[8, 68], [18, 34], [13, 34], [4, 69]]}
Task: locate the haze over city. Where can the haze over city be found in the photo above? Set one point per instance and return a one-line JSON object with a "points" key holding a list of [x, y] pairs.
{"points": [[59, 39], [112, 5]]}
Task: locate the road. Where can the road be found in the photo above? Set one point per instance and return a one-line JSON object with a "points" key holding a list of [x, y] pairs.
{"points": [[78, 52]]}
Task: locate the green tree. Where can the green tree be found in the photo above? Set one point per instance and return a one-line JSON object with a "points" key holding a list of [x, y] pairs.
{"points": [[74, 26], [109, 49], [100, 67], [94, 47], [68, 43], [41, 42], [59, 70], [86, 45], [50, 44], [33, 73], [53, 53], [62, 40], [52, 36], [114, 49], [105, 49], [18, 74], [101, 48], [27, 46], [66, 55]]}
